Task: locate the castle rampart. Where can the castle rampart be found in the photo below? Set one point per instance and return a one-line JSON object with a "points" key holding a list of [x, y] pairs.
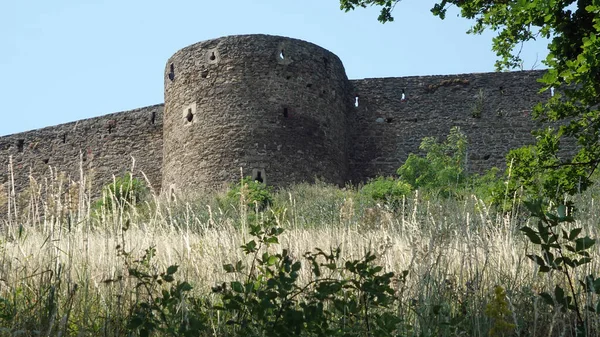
{"points": [[102, 147], [493, 109], [283, 109]]}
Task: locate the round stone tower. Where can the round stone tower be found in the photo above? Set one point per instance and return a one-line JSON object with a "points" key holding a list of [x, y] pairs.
{"points": [[274, 106]]}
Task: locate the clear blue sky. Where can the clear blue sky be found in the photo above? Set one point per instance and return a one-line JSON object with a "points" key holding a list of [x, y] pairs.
{"points": [[64, 60]]}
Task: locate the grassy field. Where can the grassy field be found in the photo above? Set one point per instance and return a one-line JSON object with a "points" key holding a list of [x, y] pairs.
{"points": [[65, 271]]}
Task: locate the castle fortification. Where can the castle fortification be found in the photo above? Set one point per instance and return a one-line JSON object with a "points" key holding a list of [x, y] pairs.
{"points": [[284, 111]]}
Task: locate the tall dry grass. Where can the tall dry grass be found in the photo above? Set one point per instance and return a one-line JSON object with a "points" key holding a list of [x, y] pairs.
{"points": [[57, 252]]}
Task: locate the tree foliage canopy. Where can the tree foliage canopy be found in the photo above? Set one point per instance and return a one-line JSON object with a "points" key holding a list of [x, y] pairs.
{"points": [[572, 28]]}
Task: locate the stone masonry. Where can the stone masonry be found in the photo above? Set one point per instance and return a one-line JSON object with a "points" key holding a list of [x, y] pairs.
{"points": [[284, 111]]}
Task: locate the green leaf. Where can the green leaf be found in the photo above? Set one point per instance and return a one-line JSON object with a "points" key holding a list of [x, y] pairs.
{"points": [[583, 253], [237, 287], [250, 286], [228, 268], [172, 269], [272, 240], [250, 247], [562, 211], [537, 259], [549, 257], [135, 322], [584, 243], [184, 286], [559, 294], [239, 266], [596, 285], [532, 235], [272, 260], [316, 269], [574, 233], [547, 298], [569, 262], [582, 261]]}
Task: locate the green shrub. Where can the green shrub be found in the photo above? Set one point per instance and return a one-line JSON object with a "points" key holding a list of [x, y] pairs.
{"points": [[253, 193], [123, 192], [162, 306], [491, 188], [540, 173], [387, 190], [563, 247], [442, 169], [498, 310], [265, 298], [351, 298]]}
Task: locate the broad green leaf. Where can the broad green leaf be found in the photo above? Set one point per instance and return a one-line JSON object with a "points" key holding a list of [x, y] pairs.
{"points": [[537, 259], [559, 294], [532, 235], [584, 243], [330, 266], [239, 266], [574, 233], [184, 286], [272, 240], [272, 260], [547, 298], [172, 269], [582, 261], [237, 287], [569, 262], [228, 268]]}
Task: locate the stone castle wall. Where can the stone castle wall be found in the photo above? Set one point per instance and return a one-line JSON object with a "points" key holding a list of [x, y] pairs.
{"points": [[281, 109], [493, 109], [102, 147]]}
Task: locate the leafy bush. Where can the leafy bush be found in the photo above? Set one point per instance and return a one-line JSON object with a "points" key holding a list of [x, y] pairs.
{"points": [[123, 192], [541, 173], [354, 298], [342, 298], [491, 187], [442, 170], [498, 310], [162, 305], [252, 193], [563, 249], [387, 190]]}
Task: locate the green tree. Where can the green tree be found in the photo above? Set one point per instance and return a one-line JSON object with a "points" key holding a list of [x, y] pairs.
{"points": [[442, 169], [573, 62], [573, 65]]}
